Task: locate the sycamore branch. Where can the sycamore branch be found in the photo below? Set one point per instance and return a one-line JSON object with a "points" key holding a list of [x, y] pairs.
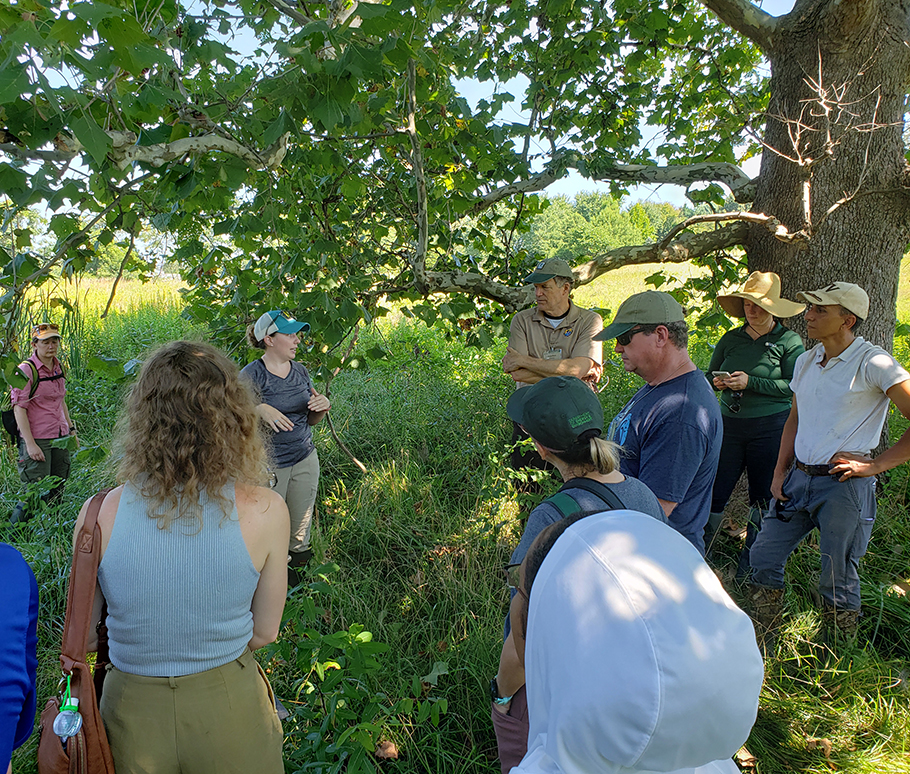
{"points": [[419, 257], [531, 185], [124, 150], [123, 264], [685, 248], [280, 5], [777, 229], [740, 184], [688, 246], [748, 20]]}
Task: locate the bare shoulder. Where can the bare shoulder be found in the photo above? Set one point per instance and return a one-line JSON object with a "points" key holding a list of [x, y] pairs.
{"points": [[259, 503], [106, 515]]}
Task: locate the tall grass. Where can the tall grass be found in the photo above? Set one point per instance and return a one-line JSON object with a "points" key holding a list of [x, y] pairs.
{"points": [[419, 541]]}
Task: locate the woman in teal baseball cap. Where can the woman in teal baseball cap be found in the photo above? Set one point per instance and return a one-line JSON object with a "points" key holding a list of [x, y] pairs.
{"points": [[290, 406]]}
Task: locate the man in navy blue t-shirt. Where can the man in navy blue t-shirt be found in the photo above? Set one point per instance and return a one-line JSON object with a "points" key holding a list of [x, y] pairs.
{"points": [[671, 429]]}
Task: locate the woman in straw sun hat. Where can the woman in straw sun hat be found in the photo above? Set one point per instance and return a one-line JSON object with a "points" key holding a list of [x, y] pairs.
{"points": [[751, 367]]}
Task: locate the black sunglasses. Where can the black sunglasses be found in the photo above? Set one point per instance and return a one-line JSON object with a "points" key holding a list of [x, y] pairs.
{"points": [[624, 339]]}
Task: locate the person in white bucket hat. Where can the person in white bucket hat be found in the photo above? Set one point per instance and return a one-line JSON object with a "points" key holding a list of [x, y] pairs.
{"points": [[636, 658]]}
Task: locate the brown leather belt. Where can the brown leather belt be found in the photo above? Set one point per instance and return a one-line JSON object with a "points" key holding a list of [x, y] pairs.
{"points": [[813, 470]]}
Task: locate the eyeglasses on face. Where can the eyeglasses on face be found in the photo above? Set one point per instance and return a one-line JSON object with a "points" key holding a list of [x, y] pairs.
{"points": [[513, 578], [624, 339]]}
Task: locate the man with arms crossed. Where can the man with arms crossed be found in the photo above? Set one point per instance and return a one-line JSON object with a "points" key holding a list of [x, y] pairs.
{"points": [[671, 429], [841, 392], [555, 338]]}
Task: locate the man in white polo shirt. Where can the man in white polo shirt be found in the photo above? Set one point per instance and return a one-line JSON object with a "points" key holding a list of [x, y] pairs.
{"points": [[824, 476]]}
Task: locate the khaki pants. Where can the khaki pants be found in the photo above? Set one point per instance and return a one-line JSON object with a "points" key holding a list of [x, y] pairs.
{"points": [[56, 462], [298, 485], [221, 721]]}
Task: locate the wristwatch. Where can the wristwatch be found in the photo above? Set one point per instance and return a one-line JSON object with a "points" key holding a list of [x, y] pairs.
{"points": [[494, 694]]}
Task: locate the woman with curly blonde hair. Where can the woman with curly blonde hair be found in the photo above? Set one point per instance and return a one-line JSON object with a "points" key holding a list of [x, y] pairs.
{"points": [[194, 573]]}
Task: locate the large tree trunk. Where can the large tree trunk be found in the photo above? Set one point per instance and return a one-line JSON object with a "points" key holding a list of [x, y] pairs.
{"points": [[834, 133]]}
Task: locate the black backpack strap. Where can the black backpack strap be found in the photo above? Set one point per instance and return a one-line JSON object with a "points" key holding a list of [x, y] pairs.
{"points": [[595, 487]]}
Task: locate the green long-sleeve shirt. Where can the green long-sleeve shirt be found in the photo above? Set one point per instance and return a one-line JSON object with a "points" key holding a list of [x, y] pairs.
{"points": [[768, 361]]}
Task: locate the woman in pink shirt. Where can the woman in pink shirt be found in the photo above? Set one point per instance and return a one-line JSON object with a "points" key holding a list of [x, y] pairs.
{"points": [[42, 415]]}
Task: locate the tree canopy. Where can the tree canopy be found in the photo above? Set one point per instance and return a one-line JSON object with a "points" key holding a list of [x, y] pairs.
{"points": [[320, 157]]}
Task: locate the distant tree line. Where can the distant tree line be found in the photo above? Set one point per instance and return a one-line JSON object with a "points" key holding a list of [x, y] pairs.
{"points": [[592, 223]]}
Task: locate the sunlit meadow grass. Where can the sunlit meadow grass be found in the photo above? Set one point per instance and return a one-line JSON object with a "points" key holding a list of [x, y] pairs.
{"points": [[420, 538]]}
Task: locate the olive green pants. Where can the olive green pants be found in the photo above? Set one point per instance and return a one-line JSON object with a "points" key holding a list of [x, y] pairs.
{"points": [[222, 721]]}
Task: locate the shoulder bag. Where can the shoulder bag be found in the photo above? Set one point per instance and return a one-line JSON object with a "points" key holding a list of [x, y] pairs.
{"points": [[88, 752]]}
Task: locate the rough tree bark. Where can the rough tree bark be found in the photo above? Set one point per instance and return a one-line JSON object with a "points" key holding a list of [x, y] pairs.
{"points": [[833, 165]]}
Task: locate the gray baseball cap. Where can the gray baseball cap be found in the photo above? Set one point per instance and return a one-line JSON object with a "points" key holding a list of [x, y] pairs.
{"points": [[652, 307], [545, 270]]}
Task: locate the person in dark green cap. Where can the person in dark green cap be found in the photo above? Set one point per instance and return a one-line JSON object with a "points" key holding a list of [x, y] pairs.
{"points": [[565, 420], [671, 430], [554, 338]]}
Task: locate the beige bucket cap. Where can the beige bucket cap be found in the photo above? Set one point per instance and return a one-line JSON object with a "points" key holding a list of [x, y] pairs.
{"points": [[761, 288]]}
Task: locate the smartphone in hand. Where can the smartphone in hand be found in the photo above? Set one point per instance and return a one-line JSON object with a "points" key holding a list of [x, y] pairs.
{"points": [[720, 374]]}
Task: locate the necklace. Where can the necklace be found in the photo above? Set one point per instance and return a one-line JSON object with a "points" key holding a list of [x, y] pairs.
{"points": [[758, 333]]}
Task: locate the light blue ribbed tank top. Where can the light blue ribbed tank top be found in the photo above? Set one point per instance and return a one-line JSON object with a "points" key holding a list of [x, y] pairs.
{"points": [[178, 600]]}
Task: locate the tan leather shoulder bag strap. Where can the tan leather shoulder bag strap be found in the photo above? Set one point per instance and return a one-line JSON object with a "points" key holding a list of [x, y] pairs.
{"points": [[83, 579]]}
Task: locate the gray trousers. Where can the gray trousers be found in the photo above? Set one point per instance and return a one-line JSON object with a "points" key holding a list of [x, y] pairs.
{"points": [[298, 485], [843, 513]]}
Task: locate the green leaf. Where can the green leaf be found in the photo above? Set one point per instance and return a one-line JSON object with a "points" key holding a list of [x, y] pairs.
{"points": [[68, 442], [108, 367], [13, 182], [11, 373], [90, 455], [13, 81], [92, 136], [439, 669]]}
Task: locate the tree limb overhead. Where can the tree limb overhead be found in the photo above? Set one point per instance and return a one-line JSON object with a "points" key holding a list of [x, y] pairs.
{"points": [[740, 184], [685, 248], [747, 19]]}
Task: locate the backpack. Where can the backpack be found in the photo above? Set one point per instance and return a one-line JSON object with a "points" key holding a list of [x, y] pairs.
{"points": [[568, 505], [9, 417]]}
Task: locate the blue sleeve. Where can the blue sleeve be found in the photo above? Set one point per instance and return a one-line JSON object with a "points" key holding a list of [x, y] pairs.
{"points": [[18, 651], [541, 517], [670, 458]]}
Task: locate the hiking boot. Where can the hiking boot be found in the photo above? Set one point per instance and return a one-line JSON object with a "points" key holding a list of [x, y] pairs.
{"points": [[19, 514], [766, 608], [838, 625], [297, 561], [744, 566], [711, 530]]}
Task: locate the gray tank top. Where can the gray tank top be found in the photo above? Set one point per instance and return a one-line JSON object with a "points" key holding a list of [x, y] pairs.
{"points": [[178, 600]]}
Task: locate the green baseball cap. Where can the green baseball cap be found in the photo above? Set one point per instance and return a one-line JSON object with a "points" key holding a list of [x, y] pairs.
{"points": [[545, 270], [649, 308], [556, 410]]}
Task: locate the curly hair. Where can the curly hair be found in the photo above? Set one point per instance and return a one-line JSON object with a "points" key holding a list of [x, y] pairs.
{"points": [[189, 426]]}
